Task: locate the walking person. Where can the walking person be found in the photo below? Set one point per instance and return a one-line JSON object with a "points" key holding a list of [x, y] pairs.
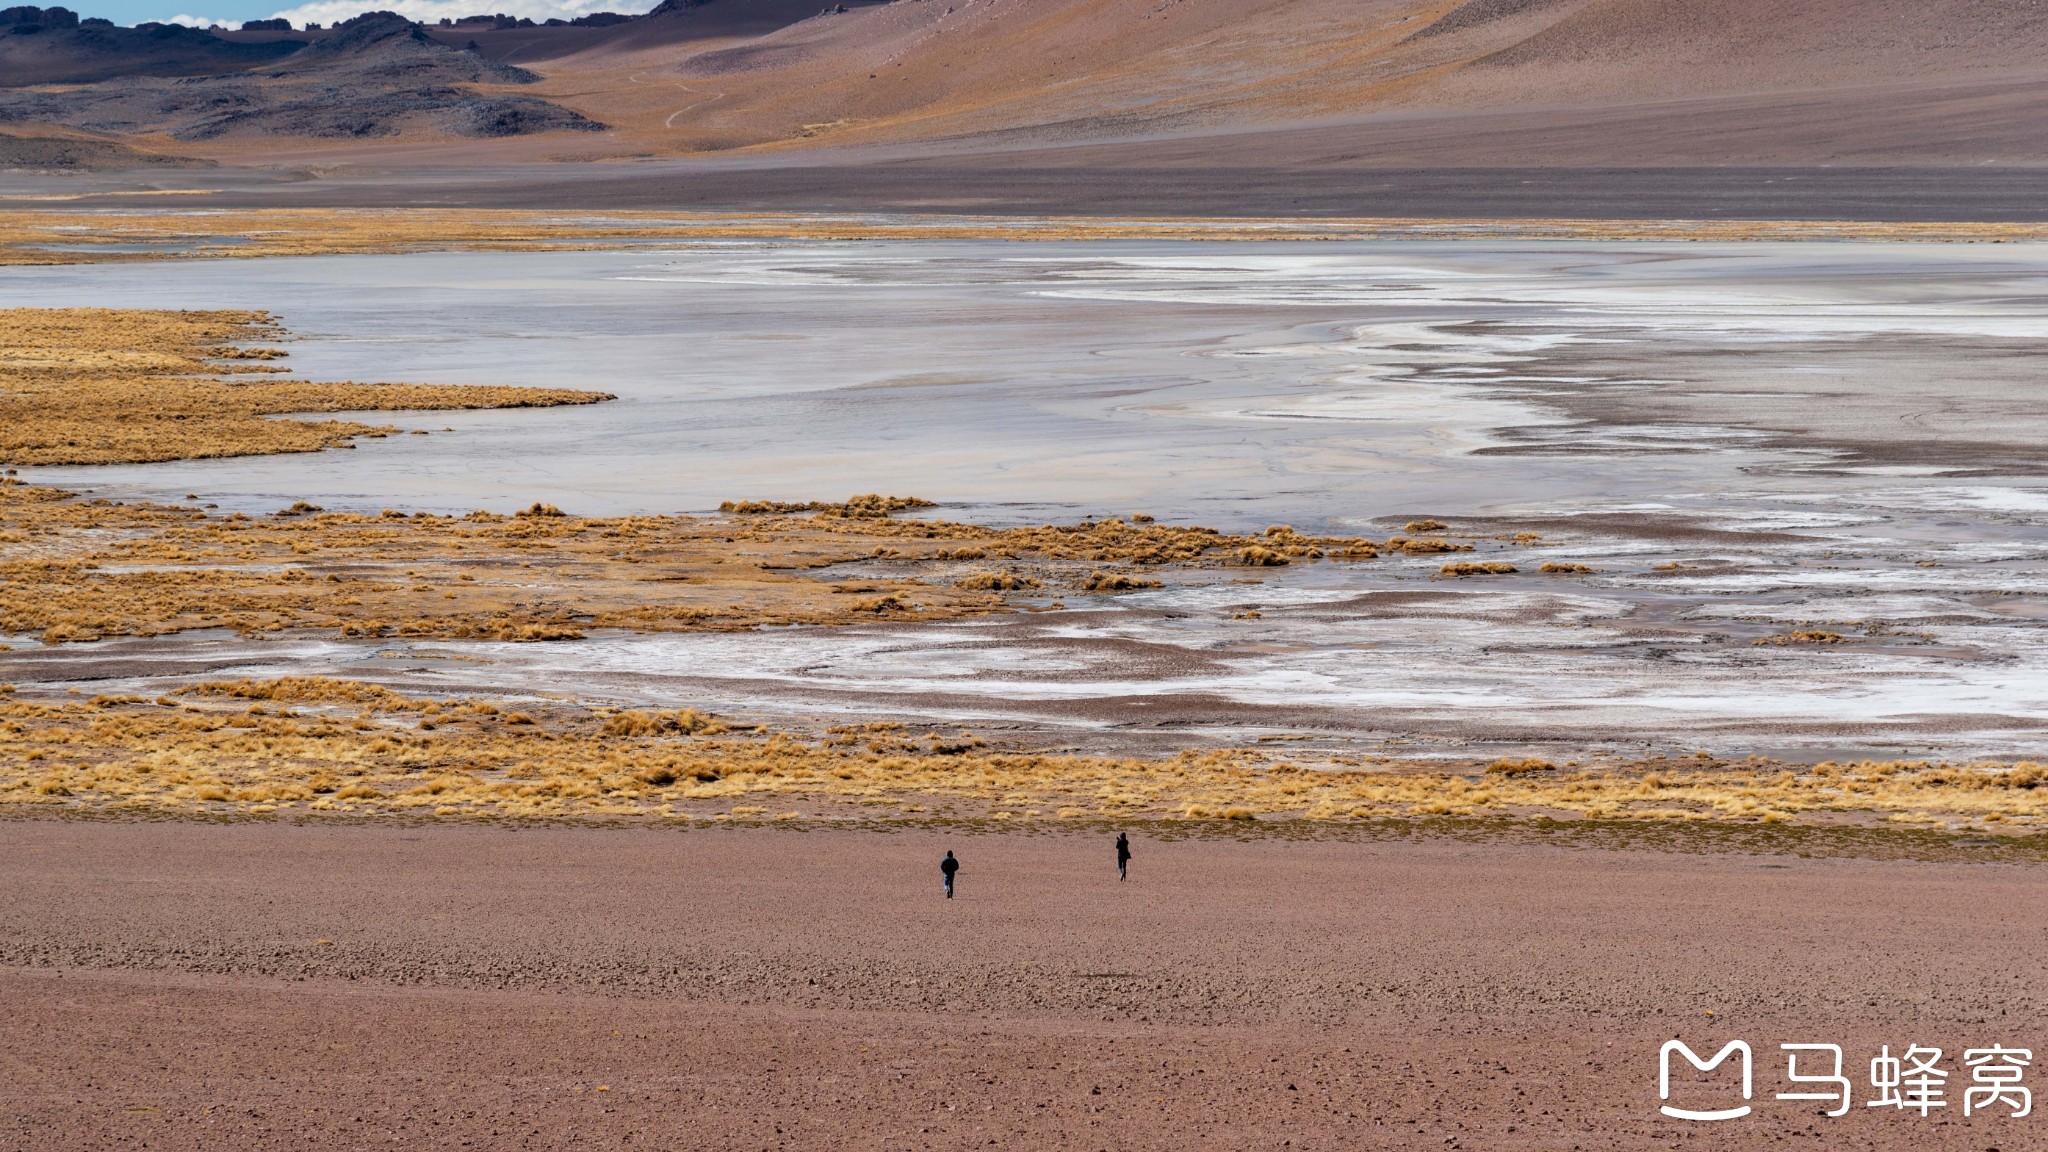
{"points": [[1123, 855], [948, 867]]}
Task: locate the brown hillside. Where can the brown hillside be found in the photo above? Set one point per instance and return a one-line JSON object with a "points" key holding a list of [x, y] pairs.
{"points": [[1250, 83], [1825, 80]]}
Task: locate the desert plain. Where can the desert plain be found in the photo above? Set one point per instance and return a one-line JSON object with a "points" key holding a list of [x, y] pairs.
{"points": [[184, 985]]}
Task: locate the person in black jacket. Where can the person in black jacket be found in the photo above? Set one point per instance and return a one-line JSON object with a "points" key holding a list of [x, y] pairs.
{"points": [[1123, 855], [948, 867]]}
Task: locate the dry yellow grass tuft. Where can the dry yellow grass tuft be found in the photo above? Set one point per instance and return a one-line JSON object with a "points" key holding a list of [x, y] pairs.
{"points": [[309, 690], [1115, 582], [313, 746], [869, 507], [684, 721], [1426, 546], [75, 570], [1801, 636], [47, 237], [995, 582], [1564, 568], [1476, 568], [119, 386]]}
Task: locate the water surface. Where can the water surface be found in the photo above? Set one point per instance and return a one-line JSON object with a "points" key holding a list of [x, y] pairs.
{"points": [[1838, 436]]}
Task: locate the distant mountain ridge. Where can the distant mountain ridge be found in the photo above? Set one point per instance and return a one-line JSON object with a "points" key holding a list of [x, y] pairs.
{"points": [[375, 76], [53, 46]]}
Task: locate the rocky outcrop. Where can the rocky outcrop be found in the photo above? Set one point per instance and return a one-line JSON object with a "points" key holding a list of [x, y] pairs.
{"points": [[53, 46], [335, 113], [387, 44]]}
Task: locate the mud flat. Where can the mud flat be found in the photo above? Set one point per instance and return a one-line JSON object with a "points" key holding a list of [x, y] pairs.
{"points": [[233, 987]]}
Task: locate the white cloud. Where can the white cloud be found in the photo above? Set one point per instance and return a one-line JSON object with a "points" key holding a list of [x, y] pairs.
{"points": [[429, 11], [197, 21]]}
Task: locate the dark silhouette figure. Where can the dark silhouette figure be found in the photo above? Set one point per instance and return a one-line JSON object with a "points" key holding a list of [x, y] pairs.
{"points": [[1123, 855], [948, 866]]}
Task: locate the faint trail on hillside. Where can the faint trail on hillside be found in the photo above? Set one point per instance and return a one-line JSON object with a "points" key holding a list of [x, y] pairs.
{"points": [[670, 122]]}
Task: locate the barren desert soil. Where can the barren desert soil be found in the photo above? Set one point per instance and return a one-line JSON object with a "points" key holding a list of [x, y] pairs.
{"points": [[185, 985]]}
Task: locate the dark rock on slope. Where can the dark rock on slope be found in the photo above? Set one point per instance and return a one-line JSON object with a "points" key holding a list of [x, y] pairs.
{"points": [[1474, 13], [348, 114], [385, 44], [76, 154]]}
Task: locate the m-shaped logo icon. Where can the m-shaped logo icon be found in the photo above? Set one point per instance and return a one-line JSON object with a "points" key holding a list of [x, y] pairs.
{"points": [[1692, 1058]]}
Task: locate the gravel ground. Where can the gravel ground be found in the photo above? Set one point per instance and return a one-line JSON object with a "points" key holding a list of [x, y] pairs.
{"points": [[262, 986]]}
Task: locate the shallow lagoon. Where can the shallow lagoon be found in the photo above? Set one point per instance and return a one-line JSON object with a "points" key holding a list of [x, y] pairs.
{"points": [[1231, 383], [1824, 435]]}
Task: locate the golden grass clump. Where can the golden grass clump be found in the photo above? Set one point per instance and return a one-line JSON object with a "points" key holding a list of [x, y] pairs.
{"points": [[1476, 568], [868, 507], [1106, 541], [995, 582], [883, 604], [101, 236], [1801, 636], [1424, 546], [124, 386], [307, 690], [1424, 526], [75, 569], [1564, 568], [307, 746], [686, 721], [1116, 582]]}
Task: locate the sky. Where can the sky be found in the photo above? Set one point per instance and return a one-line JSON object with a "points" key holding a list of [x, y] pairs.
{"points": [[232, 12]]}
